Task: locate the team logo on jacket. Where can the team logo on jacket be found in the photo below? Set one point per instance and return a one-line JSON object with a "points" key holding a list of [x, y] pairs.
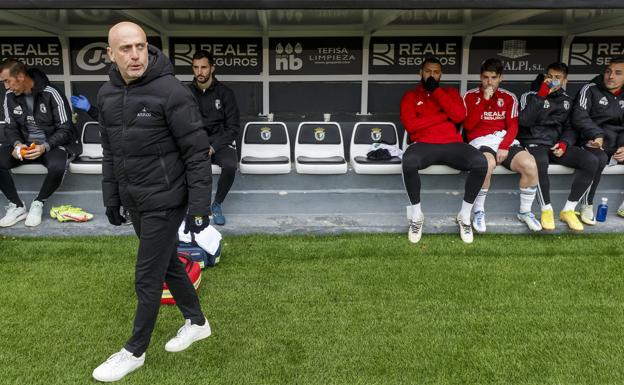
{"points": [[265, 133], [546, 104], [18, 110], [218, 104], [604, 101], [420, 103], [319, 134], [376, 134], [621, 103], [144, 113], [500, 102], [566, 104], [43, 108]]}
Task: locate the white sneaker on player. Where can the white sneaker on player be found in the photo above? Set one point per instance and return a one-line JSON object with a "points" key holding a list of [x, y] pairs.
{"points": [[117, 366], [34, 214], [465, 230], [530, 220], [587, 215], [415, 229], [478, 222], [13, 215], [188, 334]]}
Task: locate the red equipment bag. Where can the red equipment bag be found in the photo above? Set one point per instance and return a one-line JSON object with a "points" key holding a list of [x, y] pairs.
{"points": [[194, 272]]}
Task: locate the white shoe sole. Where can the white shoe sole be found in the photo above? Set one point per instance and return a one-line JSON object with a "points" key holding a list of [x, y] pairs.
{"points": [[207, 333], [17, 219], [117, 378], [34, 223]]}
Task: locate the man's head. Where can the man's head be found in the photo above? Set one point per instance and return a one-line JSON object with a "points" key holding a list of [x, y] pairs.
{"points": [[491, 73], [557, 73], [614, 74], [431, 66], [203, 66], [127, 47], [14, 76]]}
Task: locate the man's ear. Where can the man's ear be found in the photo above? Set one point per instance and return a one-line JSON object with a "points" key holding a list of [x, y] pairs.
{"points": [[109, 52]]}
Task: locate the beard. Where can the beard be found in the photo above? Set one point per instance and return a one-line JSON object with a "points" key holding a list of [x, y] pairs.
{"points": [[202, 79]]}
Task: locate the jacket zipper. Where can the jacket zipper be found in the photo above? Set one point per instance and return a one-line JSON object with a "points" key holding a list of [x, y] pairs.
{"points": [[162, 164], [123, 128]]}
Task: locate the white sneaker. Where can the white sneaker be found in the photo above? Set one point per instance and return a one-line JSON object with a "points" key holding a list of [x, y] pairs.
{"points": [[117, 366], [13, 215], [530, 220], [478, 222], [465, 230], [587, 214], [34, 214], [415, 229], [188, 334]]}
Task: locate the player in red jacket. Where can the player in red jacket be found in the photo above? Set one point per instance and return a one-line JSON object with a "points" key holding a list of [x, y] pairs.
{"points": [[431, 114], [491, 126]]}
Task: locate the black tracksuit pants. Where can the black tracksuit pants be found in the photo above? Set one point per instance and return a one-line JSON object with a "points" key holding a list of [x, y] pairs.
{"points": [[227, 158], [157, 262], [603, 158], [584, 162], [460, 156], [55, 161]]}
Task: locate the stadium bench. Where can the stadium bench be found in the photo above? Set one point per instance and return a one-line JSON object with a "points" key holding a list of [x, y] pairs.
{"points": [[265, 148], [319, 149], [364, 135]]}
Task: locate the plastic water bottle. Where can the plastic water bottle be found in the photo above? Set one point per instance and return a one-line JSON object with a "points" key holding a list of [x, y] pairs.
{"points": [[601, 215]]}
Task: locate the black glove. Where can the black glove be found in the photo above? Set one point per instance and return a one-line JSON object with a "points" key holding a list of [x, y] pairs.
{"points": [[114, 215], [195, 223], [537, 83], [431, 84]]}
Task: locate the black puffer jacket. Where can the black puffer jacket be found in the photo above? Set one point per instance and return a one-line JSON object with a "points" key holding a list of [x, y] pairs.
{"points": [[219, 113], [51, 112], [545, 121], [155, 150], [598, 113]]}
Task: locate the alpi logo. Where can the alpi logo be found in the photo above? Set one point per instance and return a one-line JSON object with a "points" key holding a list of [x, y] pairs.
{"points": [[286, 57], [144, 113]]}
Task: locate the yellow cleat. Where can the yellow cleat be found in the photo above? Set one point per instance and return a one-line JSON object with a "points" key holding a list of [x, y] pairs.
{"points": [[547, 220], [570, 218]]}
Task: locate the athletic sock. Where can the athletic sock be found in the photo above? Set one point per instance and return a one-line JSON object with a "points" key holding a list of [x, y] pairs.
{"points": [[527, 196], [547, 207], [416, 211], [569, 205], [479, 203], [465, 210]]}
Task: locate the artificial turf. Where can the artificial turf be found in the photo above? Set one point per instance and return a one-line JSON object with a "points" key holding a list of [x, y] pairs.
{"points": [[350, 309]]}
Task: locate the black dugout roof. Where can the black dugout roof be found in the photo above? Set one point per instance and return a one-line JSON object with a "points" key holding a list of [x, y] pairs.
{"points": [[312, 4]]}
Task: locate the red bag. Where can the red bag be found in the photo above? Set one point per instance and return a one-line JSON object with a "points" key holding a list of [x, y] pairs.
{"points": [[194, 272]]}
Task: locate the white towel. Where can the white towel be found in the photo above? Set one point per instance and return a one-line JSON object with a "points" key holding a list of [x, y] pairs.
{"points": [[208, 239]]}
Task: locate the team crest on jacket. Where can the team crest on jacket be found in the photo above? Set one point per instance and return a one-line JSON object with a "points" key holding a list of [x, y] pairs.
{"points": [[319, 134], [43, 108], [500, 102], [621, 103], [546, 104], [17, 110], [218, 104], [376, 134], [566, 104], [265, 133], [604, 101]]}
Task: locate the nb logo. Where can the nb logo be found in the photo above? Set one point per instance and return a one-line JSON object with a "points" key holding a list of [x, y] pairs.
{"points": [[286, 59]]}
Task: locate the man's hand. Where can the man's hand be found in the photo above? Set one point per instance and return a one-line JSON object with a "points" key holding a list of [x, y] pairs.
{"points": [[501, 155], [114, 215], [211, 151], [81, 102], [619, 154], [16, 151], [431, 84], [488, 93], [558, 150], [195, 223], [35, 152], [595, 143]]}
